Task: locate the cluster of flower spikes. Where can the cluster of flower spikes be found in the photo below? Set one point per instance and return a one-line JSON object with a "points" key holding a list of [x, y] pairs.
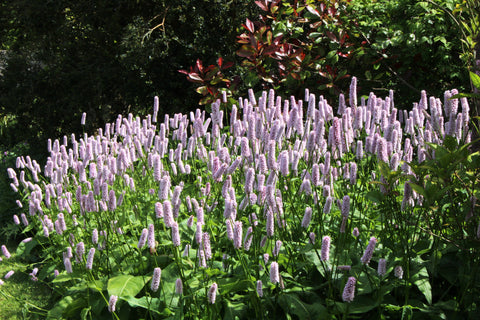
{"points": [[267, 140]]}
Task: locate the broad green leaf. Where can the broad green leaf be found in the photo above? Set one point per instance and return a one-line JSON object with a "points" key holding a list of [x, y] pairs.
{"points": [[24, 248], [147, 303], [291, 304], [57, 311], [234, 310], [375, 196], [421, 280], [475, 79], [125, 285]]}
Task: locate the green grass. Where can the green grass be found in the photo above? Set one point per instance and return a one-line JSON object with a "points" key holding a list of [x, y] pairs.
{"points": [[20, 297]]}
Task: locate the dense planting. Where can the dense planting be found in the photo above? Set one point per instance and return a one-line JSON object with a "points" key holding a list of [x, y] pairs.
{"points": [[276, 208]]}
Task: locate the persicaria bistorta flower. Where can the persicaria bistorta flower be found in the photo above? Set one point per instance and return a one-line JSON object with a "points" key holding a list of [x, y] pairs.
{"points": [[349, 290], [212, 293], [143, 238], [367, 255], [178, 286], [260, 288], [151, 237], [5, 252], [307, 217], [382, 267], [237, 235], [398, 272], [112, 302], [175, 234], [90, 256], [157, 272], [274, 273], [355, 232], [9, 274], [276, 249], [325, 252]]}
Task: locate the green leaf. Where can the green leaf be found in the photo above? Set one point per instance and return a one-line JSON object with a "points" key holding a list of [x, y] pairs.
{"points": [[475, 79], [420, 279], [57, 311], [24, 248], [375, 196], [147, 303], [125, 285], [290, 303], [234, 310]]}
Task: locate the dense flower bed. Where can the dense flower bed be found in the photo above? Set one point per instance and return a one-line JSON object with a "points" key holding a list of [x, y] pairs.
{"points": [[270, 207]]}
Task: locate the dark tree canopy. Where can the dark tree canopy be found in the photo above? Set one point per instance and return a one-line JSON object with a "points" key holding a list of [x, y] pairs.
{"points": [[105, 58]]}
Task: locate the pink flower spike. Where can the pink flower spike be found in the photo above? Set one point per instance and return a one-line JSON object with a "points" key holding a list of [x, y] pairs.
{"points": [[325, 252], [9, 274], [274, 273], [178, 286], [212, 293], [349, 290], [112, 302], [367, 255], [5, 252], [157, 272]]}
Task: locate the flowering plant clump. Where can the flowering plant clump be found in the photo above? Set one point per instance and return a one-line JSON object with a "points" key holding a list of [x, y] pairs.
{"points": [[220, 215]]}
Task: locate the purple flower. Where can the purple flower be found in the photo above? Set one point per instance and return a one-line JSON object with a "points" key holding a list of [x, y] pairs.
{"points": [[9, 274], [158, 210], [325, 252], [95, 236], [306, 187], [349, 290], [307, 217], [249, 180], [248, 239], [112, 303], [345, 206], [178, 286], [311, 238], [260, 288], [24, 219], [398, 272], [344, 268], [355, 232], [276, 249], [112, 200], [206, 246], [274, 274], [157, 272], [237, 235], [68, 264], [328, 205], [270, 224], [167, 213], [353, 93], [175, 234], [367, 255], [80, 250], [5, 252], [229, 227], [151, 238], [143, 238], [212, 293], [90, 256], [382, 267]]}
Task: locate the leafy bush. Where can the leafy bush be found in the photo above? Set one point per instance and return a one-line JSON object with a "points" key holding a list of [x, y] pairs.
{"points": [[318, 44], [278, 209]]}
